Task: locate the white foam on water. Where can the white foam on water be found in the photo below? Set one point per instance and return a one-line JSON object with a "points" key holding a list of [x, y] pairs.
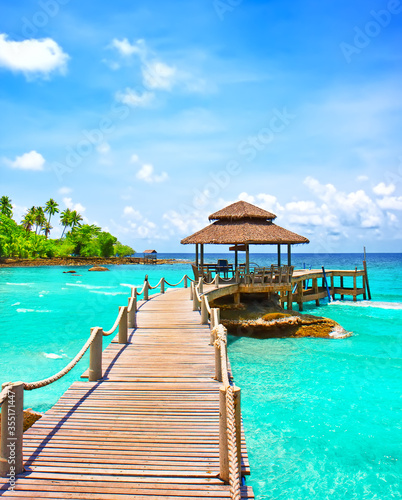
{"points": [[339, 333], [22, 310], [16, 304], [108, 293], [88, 287], [20, 284], [52, 355], [368, 303]]}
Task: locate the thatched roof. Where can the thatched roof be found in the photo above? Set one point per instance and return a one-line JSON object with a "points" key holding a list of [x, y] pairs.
{"points": [[150, 251], [252, 231], [242, 210]]}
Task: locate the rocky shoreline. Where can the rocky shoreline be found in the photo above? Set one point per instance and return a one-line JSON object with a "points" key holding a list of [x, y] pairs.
{"points": [[84, 261]]}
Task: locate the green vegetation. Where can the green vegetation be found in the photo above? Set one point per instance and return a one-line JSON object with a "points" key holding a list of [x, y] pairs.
{"points": [[30, 239]]}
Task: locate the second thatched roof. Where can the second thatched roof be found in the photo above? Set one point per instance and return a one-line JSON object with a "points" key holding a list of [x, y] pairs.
{"points": [[242, 222]]}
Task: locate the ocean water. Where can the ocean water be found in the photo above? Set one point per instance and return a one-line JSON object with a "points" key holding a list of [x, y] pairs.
{"points": [[322, 417]]}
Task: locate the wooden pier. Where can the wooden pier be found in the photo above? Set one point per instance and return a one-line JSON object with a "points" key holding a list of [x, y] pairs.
{"points": [[152, 426]]}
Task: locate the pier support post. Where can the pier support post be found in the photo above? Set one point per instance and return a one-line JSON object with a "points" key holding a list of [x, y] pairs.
{"points": [[12, 426], [192, 290], [342, 296], [354, 288], [217, 281], [123, 326], [315, 289], [201, 285], [215, 320], [300, 295], [218, 365], [236, 298], [95, 356], [163, 285], [290, 300], [185, 281], [146, 290]]}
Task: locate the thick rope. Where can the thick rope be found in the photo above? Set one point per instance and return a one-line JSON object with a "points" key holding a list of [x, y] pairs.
{"points": [[70, 366], [207, 304], [234, 473], [4, 394], [116, 323], [177, 284], [157, 285]]}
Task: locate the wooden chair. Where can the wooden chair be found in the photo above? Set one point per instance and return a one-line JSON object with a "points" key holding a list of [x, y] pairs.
{"points": [[196, 272]]}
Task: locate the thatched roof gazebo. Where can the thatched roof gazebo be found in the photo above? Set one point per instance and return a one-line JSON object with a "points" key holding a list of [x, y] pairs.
{"points": [[242, 224]]}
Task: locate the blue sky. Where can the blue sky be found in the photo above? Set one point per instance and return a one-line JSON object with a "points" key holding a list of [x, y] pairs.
{"points": [[147, 116]]}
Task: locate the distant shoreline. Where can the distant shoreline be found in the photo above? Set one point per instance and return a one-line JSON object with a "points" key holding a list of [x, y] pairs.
{"points": [[85, 261]]}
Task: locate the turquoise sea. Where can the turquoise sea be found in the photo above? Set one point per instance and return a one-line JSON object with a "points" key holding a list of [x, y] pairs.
{"points": [[322, 417]]}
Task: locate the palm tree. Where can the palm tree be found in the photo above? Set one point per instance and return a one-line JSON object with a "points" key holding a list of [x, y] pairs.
{"points": [[46, 228], [51, 207], [40, 219], [65, 220], [6, 207], [76, 219], [28, 221]]}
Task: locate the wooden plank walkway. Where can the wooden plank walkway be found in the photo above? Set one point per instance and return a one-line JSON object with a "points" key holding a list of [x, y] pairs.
{"points": [[148, 429]]}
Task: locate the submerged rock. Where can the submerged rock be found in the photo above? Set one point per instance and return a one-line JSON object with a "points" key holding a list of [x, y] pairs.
{"points": [[264, 318], [98, 268]]}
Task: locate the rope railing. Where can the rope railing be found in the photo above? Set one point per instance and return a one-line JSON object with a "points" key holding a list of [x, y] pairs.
{"points": [[42, 383], [10, 392]]}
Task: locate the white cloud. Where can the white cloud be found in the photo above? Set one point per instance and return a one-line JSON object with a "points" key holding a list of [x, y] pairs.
{"points": [[362, 178], [32, 57], [158, 75], [131, 212], [74, 206], [65, 190], [390, 203], [384, 190], [135, 99], [27, 161], [134, 158], [125, 48], [146, 173]]}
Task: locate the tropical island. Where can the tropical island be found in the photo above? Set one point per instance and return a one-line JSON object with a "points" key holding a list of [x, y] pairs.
{"points": [[30, 239]]}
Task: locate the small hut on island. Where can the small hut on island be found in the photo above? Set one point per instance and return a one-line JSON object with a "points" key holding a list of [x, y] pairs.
{"points": [[150, 256], [242, 224]]}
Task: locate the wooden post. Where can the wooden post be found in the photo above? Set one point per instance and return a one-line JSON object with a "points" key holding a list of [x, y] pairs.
{"points": [[223, 440], [279, 255], [195, 299], [185, 281], [366, 276], [202, 258], [342, 295], [289, 255], [237, 405], [123, 326], [204, 310], [315, 290], [218, 365], [290, 300], [132, 315], [354, 288], [95, 357], [196, 254], [217, 281], [236, 298], [300, 295], [12, 426], [237, 275], [247, 259], [163, 285], [146, 290], [201, 285], [192, 290]]}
